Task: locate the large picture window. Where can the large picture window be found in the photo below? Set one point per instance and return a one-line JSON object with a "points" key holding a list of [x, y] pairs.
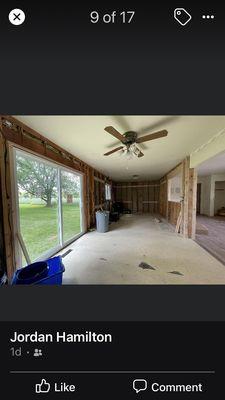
{"points": [[48, 206]]}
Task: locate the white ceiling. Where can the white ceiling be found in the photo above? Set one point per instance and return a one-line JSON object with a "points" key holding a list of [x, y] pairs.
{"points": [[215, 165], [84, 136]]}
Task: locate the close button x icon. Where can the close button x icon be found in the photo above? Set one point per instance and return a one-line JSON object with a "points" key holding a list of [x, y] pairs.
{"points": [[16, 16]]}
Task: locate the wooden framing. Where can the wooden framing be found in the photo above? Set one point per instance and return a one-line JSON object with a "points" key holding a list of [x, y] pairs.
{"points": [[23, 247], [177, 229], [186, 165], [139, 197], [16, 132], [168, 209], [9, 253], [182, 215], [163, 209], [192, 196], [2, 242], [99, 190], [91, 196]]}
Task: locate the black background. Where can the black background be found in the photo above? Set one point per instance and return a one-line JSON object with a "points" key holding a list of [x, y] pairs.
{"points": [[57, 62], [113, 303]]}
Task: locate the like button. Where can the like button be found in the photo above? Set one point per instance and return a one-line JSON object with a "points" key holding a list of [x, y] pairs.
{"points": [[43, 387]]}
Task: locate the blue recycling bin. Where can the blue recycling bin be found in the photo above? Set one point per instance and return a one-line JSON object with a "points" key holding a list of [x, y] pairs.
{"points": [[48, 272]]}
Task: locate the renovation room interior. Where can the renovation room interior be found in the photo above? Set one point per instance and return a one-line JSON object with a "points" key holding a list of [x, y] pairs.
{"points": [[161, 178]]}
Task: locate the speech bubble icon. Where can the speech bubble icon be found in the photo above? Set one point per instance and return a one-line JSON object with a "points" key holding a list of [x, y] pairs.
{"points": [[139, 385]]}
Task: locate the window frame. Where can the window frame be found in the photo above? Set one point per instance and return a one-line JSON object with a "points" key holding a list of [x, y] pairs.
{"points": [[108, 188], [15, 204]]}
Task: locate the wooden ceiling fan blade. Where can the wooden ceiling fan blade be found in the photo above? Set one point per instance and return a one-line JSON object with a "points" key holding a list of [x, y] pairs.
{"points": [[114, 133], [113, 151], [152, 136]]}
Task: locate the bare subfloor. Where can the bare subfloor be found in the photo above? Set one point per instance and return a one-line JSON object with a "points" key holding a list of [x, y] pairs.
{"points": [[115, 257], [214, 240]]}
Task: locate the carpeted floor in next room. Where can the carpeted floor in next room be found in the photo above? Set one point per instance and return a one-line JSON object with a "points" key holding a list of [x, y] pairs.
{"points": [[139, 250]]}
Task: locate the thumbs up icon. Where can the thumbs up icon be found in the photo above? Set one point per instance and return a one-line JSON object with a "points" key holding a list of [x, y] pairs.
{"points": [[43, 387]]}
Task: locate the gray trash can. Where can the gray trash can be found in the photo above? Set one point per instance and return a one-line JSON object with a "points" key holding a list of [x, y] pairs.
{"points": [[102, 221]]}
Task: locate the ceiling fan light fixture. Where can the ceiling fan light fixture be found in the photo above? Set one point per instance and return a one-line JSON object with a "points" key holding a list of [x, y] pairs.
{"points": [[128, 153], [137, 151], [129, 141]]}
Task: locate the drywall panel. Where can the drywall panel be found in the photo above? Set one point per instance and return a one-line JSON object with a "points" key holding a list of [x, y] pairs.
{"points": [[214, 146]]}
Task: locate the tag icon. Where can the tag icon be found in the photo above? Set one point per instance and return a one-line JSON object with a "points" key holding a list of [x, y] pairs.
{"points": [[182, 16]]}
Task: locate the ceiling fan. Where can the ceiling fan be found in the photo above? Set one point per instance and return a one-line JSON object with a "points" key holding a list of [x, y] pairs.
{"points": [[130, 140]]}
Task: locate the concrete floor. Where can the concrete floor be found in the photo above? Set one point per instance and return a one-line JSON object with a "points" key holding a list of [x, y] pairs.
{"points": [[114, 257]]}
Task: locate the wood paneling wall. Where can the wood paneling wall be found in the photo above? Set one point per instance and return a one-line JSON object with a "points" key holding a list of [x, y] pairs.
{"points": [[139, 197], [163, 198], [99, 183], [173, 212]]}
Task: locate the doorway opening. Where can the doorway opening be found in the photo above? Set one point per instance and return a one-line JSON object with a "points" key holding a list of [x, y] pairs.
{"points": [[198, 198], [210, 230]]}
